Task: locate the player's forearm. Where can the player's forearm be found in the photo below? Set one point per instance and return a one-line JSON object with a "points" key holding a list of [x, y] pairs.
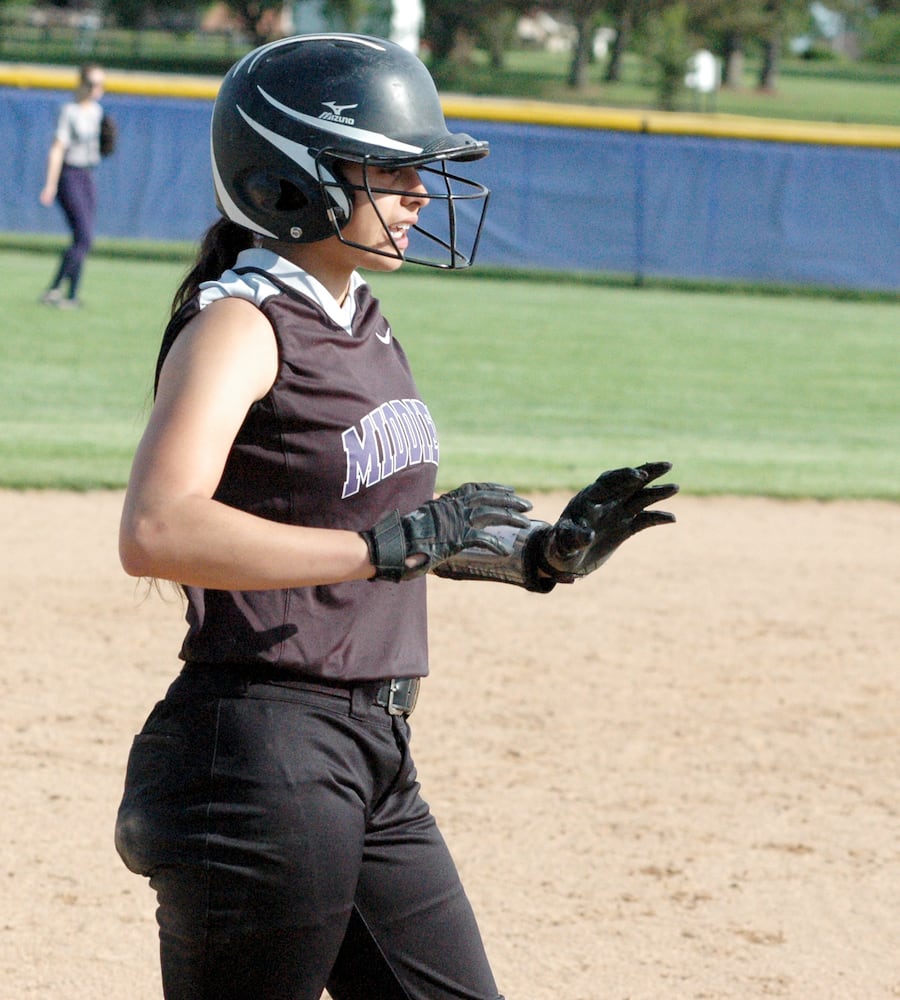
{"points": [[203, 543], [54, 166]]}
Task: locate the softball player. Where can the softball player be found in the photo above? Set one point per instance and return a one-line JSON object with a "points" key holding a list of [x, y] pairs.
{"points": [[74, 153], [285, 481]]}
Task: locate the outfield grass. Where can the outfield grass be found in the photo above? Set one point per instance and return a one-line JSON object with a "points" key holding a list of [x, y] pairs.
{"points": [[75, 386], [534, 382], [830, 91]]}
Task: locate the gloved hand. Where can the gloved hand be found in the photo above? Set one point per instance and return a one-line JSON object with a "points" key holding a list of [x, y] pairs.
{"points": [[403, 547], [597, 520]]}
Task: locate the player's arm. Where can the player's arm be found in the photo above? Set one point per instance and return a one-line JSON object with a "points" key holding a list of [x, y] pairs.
{"points": [[54, 169], [220, 364]]}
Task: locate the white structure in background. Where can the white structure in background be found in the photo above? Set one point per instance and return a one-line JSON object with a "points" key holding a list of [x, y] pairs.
{"points": [[401, 21], [831, 27], [542, 31], [703, 74], [603, 38], [704, 77], [407, 23]]}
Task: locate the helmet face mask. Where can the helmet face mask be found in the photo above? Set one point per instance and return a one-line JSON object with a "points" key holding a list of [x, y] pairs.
{"points": [[291, 112], [451, 238]]}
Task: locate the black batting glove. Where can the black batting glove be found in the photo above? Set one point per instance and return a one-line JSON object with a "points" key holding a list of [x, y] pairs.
{"points": [[405, 546], [597, 520]]}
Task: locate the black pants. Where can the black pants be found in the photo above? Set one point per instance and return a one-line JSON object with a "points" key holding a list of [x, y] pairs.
{"points": [[283, 831]]}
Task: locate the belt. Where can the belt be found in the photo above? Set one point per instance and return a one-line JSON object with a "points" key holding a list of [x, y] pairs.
{"points": [[398, 695]]}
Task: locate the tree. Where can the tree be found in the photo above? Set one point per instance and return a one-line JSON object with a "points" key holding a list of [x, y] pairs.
{"points": [[668, 49], [351, 13], [628, 17], [727, 26], [137, 14], [259, 18], [454, 28], [445, 23], [779, 18], [584, 15], [772, 42], [625, 14]]}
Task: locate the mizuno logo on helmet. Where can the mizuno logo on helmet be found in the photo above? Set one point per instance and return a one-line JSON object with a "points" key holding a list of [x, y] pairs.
{"points": [[336, 114]]}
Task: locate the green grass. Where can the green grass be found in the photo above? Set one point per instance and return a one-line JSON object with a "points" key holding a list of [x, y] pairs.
{"points": [[75, 386], [831, 91], [545, 384], [540, 383]]}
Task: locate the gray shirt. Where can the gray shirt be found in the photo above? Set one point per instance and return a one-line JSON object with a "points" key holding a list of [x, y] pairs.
{"points": [[78, 129]]}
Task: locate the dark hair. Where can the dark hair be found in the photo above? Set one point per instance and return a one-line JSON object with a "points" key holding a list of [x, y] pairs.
{"points": [[219, 248], [84, 88]]}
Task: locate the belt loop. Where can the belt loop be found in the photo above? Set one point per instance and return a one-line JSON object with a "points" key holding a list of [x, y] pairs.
{"points": [[361, 700]]}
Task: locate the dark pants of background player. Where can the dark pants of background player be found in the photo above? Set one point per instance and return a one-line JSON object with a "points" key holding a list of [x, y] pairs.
{"points": [[282, 828], [77, 196]]}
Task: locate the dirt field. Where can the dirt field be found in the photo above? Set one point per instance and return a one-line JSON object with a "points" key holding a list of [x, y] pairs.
{"points": [[677, 779]]}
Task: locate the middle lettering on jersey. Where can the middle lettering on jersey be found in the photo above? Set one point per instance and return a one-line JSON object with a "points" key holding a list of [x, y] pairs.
{"points": [[388, 439]]}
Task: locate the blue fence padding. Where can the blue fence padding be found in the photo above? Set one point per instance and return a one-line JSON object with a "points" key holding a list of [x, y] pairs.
{"points": [[156, 186], [563, 198], [691, 207]]}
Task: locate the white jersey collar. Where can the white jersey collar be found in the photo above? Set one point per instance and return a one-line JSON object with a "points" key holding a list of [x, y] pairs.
{"points": [[256, 288]]}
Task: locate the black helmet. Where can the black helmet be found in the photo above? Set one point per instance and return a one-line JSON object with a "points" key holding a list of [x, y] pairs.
{"points": [[290, 111]]}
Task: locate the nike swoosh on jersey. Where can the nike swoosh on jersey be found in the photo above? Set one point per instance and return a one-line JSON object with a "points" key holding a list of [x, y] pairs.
{"points": [[385, 337]]}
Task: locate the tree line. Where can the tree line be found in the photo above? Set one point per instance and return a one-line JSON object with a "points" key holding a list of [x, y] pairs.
{"points": [[669, 30]]}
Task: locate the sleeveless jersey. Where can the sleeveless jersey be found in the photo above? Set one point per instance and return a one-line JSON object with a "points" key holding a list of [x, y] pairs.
{"points": [[340, 440]]}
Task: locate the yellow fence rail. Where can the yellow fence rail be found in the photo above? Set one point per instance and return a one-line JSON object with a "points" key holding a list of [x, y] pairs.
{"points": [[711, 125]]}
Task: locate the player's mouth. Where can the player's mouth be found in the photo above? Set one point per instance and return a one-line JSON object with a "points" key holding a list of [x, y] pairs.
{"points": [[399, 233]]}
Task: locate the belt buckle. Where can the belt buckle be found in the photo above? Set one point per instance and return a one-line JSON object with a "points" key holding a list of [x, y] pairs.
{"points": [[403, 693]]}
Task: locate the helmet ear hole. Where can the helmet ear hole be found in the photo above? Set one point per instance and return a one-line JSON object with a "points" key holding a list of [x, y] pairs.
{"points": [[291, 198], [265, 191]]}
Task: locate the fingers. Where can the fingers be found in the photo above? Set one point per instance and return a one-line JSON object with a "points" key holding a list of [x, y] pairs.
{"points": [[619, 483], [649, 495], [490, 495], [489, 504], [650, 518], [653, 470], [613, 485], [497, 544]]}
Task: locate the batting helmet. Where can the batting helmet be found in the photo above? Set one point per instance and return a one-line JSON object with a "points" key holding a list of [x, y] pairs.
{"points": [[290, 111]]}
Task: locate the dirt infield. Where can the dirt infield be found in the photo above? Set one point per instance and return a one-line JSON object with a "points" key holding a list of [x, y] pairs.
{"points": [[677, 779]]}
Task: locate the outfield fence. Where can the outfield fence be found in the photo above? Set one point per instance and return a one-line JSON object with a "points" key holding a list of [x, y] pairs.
{"points": [[647, 195]]}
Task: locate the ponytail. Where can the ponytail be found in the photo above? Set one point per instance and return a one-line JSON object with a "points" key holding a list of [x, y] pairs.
{"points": [[219, 248]]}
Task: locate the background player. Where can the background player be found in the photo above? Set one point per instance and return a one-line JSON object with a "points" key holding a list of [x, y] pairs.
{"points": [[73, 157]]}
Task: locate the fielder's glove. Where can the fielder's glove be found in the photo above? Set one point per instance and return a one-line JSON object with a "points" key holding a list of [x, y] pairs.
{"points": [[593, 525], [407, 546], [597, 520]]}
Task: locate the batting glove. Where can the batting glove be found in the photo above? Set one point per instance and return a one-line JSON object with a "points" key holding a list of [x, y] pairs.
{"points": [[598, 519], [405, 546]]}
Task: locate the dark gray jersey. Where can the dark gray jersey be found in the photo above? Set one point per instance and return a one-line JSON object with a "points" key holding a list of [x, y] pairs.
{"points": [[341, 439]]}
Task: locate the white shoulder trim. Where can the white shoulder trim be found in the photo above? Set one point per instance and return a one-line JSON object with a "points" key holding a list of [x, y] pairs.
{"points": [[256, 288]]}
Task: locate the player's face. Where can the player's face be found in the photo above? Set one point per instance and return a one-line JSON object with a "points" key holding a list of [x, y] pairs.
{"points": [[384, 212]]}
